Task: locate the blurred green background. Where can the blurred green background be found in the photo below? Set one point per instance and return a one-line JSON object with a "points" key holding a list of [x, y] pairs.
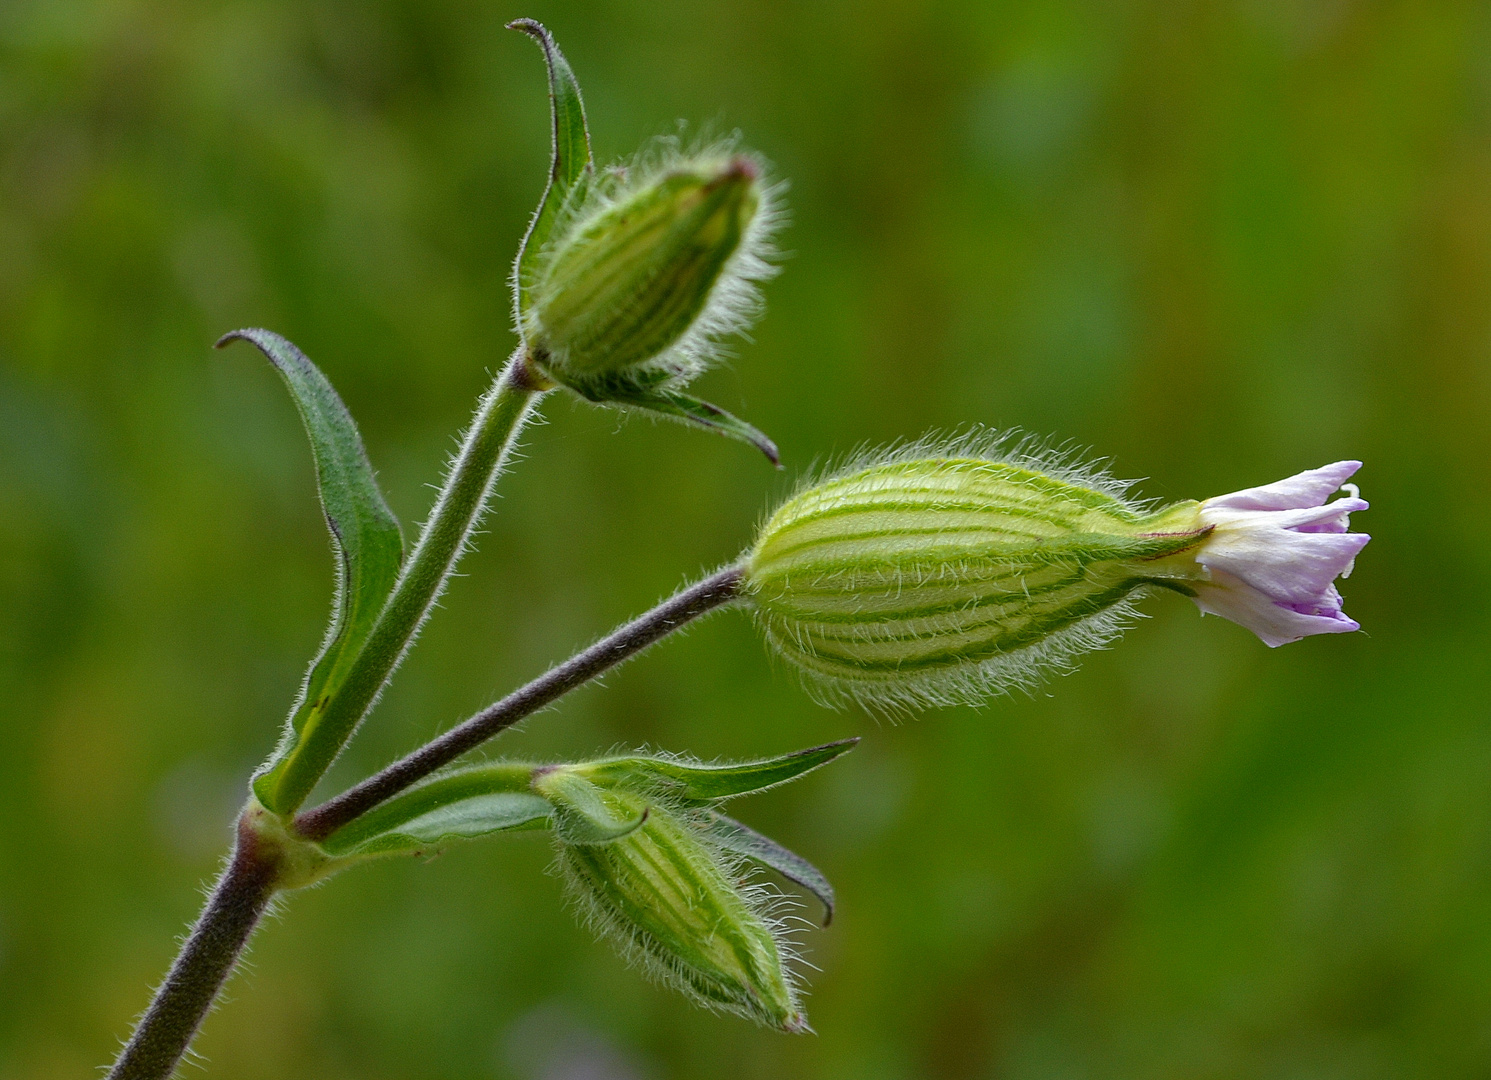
{"points": [[1218, 240]]}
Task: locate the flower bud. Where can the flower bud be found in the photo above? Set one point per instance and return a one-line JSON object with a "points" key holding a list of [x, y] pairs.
{"points": [[625, 282], [941, 576], [674, 901], [628, 295]]}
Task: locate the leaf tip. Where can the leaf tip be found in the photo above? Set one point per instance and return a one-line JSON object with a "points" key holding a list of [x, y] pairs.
{"points": [[232, 336], [531, 27], [837, 748]]}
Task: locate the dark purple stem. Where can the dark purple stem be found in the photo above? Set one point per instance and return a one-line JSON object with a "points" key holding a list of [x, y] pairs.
{"points": [[238, 900], [621, 645]]}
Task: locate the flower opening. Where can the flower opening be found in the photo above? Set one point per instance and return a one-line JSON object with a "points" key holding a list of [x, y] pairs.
{"points": [[1274, 553]]}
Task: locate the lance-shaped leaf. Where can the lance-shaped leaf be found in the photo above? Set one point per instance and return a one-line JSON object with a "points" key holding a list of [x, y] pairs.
{"points": [[743, 840], [691, 410], [460, 805], [571, 166], [706, 783], [364, 533], [586, 814]]}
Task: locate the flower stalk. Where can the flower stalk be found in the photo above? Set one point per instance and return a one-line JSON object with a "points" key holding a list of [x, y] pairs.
{"points": [[936, 573], [617, 647], [269, 857], [285, 783], [689, 276]]}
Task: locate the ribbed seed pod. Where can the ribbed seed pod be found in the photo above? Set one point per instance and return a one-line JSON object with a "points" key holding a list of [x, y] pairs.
{"points": [[628, 278], [940, 579]]}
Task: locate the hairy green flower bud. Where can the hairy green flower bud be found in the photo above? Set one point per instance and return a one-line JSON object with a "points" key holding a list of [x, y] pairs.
{"points": [[645, 270], [623, 286], [942, 574], [651, 877], [629, 294]]}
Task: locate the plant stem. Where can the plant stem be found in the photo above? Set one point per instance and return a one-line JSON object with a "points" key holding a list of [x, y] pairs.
{"points": [[442, 541], [238, 900], [243, 892], [622, 644]]}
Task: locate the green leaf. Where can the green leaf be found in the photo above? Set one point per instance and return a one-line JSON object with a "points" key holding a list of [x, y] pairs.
{"points": [[583, 813], [459, 805], [691, 410], [743, 840], [571, 167], [711, 783], [364, 533]]}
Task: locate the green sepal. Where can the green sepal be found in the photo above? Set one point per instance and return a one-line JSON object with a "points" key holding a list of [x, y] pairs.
{"points": [[459, 805], [571, 166], [741, 839], [364, 533], [691, 410], [700, 783], [586, 814], [480, 815]]}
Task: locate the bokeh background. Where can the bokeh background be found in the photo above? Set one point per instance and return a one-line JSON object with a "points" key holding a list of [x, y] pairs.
{"points": [[1219, 241]]}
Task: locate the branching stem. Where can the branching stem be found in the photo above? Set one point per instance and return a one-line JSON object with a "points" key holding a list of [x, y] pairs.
{"points": [[242, 894], [622, 644], [462, 500]]}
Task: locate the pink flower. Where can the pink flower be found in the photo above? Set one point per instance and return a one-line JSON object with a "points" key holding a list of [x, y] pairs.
{"points": [[1275, 552]]}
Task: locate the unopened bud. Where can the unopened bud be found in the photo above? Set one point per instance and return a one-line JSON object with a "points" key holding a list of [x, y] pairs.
{"points": [[626, 281], [934, 578], [674, 901], [629, 294]]}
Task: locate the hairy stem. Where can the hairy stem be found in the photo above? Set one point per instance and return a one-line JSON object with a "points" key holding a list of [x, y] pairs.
{"points": [[238, 900], [243, 892], [620, 645], [444, 538]]}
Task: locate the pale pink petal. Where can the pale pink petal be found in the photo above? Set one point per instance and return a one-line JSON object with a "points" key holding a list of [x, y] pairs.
{"points": [[1275, 624], [1309, 488], [1330, 517], [1275, 552], [1334, 516], [1291, 567]]}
